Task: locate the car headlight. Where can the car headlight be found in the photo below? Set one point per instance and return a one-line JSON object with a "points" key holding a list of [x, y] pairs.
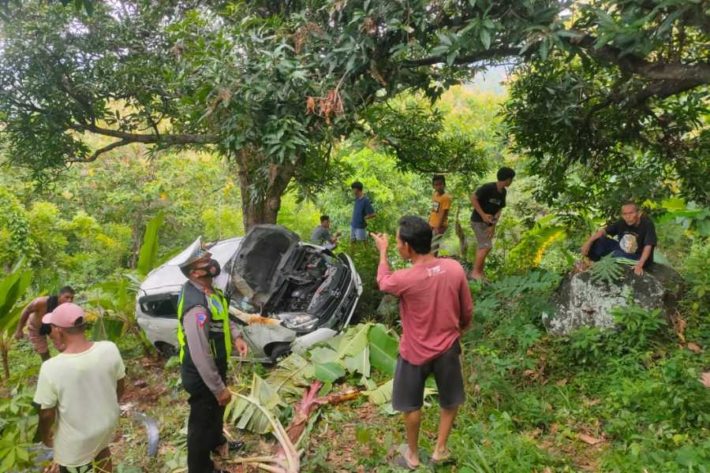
{"points": [[300, 321]]}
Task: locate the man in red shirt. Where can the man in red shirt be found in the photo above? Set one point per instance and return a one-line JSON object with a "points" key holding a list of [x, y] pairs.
{"points": [[435, 307]]}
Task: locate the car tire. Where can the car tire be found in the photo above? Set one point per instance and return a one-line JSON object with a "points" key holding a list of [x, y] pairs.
{"points": [[166, 350], [278, 352]]}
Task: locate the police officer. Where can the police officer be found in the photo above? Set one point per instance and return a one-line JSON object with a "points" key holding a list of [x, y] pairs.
{"points": [[205, 338]]}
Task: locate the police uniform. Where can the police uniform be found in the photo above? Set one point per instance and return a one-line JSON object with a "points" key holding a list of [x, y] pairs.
{"points": [[205, 340]]}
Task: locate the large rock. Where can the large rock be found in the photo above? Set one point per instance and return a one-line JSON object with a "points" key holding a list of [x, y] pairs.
{"points": [[580, 302]]}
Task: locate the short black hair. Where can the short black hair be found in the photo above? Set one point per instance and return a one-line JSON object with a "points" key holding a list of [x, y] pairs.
{"points": [[438, 177], [356, 185], [67, 290], [79, 326], [631, 202], [416, 232], [505, 173], [323, 218]]}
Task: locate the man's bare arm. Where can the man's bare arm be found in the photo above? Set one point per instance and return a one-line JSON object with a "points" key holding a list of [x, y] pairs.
{"points": [[588, 244], [477, 206], [120, 388], [31, 307], [46, 422]]}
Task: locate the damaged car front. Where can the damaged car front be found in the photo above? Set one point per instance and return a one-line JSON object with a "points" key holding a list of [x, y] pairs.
{"points": [[287, 294]]}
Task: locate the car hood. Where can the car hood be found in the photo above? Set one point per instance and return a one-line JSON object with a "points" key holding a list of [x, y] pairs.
{"points": [[260, 256], [169, 278]]}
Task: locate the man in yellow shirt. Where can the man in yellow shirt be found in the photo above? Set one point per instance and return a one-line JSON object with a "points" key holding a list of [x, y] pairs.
{"points": [[440, 205]]}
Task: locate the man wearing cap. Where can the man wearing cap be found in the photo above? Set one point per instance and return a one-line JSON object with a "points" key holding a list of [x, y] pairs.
{"points": [[205, 338], [78, 390], [32, 317]]}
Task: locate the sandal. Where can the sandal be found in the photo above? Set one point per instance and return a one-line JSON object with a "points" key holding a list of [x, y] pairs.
{"points": [[445, 460], [401, 461]]}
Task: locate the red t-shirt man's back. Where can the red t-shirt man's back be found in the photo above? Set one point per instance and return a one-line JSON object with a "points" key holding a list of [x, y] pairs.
{"points": [[435, 306]]}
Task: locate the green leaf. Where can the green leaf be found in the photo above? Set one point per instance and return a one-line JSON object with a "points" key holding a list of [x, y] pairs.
{"points": [[329, 372], [148, 254], [382, 394], [383, 349], [485, 38]]}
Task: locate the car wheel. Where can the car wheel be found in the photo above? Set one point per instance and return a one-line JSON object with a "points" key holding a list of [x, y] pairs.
{"points": [[166, 350], [279, 351]]}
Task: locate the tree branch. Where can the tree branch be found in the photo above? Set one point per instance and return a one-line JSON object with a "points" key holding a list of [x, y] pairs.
{"points": [[498, 53], [630, 64], [180, 139], [100, 151]]}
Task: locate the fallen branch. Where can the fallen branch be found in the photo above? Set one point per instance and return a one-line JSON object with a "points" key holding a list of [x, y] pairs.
{"points": [[285, 458]]}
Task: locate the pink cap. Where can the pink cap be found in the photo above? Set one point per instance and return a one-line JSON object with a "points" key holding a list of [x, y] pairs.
{"points": [[65, 315]]}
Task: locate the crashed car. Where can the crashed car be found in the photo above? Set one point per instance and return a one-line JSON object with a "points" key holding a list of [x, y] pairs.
{"points": [[285, 293]]}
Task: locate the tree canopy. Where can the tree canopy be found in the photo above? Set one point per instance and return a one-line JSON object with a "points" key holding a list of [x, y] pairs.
{"points": [[276, 85]]}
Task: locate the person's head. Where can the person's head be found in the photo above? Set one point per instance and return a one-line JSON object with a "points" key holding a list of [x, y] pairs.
{"points": [[413, 237], [356, 188], [505, 175], [67, 322], [325, 221], [439, 183], [631, 213], [204, 269], [66, 294]]}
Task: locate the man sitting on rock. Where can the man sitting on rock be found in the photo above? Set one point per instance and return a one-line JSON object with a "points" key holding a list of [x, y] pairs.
{"points": [[637, 239]]}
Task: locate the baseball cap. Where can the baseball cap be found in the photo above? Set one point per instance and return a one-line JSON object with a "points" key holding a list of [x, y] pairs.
{"points": [[65, 315]]}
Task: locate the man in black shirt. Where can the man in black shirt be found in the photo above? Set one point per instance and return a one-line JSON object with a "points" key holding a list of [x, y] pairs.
{"points": [[637, 239], [488, 202]]}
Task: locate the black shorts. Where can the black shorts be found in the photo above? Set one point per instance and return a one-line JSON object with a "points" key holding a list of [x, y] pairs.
{"points": [[89, 468], [409, 379]]}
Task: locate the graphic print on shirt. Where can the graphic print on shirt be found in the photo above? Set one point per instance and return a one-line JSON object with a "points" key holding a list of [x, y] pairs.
{"points": [[629, 243], [435, 271], [435, 206]]}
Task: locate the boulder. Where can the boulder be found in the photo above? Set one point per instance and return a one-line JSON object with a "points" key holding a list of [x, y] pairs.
{"points": [[581, 302]]}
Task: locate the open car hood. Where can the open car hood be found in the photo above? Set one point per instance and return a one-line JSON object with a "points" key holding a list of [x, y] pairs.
{"points": [[261, 254]]}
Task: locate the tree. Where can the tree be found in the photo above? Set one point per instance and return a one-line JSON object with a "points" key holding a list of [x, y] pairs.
{"points": [[275, 85], [625, 110]]}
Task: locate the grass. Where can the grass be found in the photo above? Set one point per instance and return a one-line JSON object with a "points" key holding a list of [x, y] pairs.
{"points": [[626, 401]]}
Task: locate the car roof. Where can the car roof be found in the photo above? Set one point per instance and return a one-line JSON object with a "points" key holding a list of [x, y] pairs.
{"points": [[169, 278]]}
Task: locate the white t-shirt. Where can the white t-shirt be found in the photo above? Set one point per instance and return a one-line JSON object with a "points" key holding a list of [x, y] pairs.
{"points": [[82, 386]]}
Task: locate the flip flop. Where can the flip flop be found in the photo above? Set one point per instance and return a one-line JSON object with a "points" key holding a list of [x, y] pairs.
{"points": [[445, 460], [401, 462]]}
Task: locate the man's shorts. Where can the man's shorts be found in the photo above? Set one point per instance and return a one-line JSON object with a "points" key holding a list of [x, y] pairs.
{"points": [[358, 234], [77, 469], [39, 342], [409, 379], [482, 237]]}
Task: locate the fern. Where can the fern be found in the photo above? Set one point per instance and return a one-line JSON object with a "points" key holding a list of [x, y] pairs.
{"points": [[609, 269]]}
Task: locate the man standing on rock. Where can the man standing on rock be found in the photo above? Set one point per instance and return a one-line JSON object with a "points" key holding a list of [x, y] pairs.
{"points": [[435, 308], [32, 316], [205, 338], [488, 202], [637, 239]]}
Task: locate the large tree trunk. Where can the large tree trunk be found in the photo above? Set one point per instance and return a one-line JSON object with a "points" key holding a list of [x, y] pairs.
{"points": [[261, 195]]}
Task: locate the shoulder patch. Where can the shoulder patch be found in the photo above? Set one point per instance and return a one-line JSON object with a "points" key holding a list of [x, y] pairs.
{"points": [[201, 319]]}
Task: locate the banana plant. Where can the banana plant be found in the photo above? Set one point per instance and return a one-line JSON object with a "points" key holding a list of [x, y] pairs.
{"points": [[113, 302], [12, 289]]}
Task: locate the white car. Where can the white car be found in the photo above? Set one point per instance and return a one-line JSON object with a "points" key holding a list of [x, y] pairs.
{"points": [[287, 294]]}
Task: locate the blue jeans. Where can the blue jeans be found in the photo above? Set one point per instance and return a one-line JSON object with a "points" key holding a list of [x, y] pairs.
{"points": [[358, 234], [608, 246]]}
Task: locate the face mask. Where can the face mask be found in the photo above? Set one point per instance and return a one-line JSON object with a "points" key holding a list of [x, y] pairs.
{"points": [[213, 268]]}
